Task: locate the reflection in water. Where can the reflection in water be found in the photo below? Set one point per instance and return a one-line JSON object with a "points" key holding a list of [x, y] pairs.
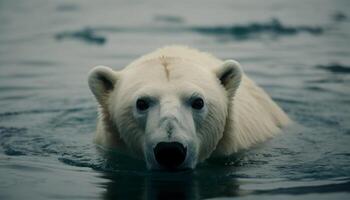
{"points": [[128, 178], [162, 185], [190, 185]]}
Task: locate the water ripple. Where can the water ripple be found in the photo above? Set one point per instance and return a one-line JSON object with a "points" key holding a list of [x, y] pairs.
{"points": [[274, 28], [335, 68]]}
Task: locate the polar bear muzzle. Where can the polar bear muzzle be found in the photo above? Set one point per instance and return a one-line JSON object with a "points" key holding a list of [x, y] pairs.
{"points": [[170, 155]]}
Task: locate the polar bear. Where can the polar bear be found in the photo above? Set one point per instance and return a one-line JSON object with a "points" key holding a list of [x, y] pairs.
{"points": [[177, 106]]}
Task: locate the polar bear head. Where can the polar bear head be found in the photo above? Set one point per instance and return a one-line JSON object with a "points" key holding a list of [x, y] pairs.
{"points": [[169, 111]]}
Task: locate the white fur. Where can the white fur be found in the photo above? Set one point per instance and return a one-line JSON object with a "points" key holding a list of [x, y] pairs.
{"points": [[237, 113]]}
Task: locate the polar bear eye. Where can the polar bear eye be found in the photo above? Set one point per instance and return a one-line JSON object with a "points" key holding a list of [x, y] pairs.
{"points": [[197, 103], [142, 104]]}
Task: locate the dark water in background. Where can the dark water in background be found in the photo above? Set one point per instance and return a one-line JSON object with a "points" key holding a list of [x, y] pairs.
{"points": [[299, 51]]}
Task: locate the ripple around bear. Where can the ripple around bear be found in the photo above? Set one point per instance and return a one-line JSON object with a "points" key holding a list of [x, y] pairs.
{"points": [[177, 106]]}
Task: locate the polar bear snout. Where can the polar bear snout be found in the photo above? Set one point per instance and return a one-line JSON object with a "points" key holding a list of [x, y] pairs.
{"points": [[170, 155]]}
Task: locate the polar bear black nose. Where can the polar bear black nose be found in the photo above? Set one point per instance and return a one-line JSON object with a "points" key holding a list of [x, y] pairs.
{"points": [[170, 154]]}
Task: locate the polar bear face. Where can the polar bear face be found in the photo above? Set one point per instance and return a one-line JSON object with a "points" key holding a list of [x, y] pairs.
{"points": [[169, 111]]}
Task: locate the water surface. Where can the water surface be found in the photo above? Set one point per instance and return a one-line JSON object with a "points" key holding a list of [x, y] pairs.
{"points": [[298, 51]]}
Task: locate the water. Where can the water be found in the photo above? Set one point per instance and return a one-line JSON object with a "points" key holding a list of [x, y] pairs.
{"points": [[298, 51]]}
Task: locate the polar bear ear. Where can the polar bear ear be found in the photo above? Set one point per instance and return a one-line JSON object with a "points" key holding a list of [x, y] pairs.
{"points": [[230, 74], [102, 81]]}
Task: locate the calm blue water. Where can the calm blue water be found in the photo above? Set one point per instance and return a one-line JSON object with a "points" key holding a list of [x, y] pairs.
{"points": [[299, 51]]}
